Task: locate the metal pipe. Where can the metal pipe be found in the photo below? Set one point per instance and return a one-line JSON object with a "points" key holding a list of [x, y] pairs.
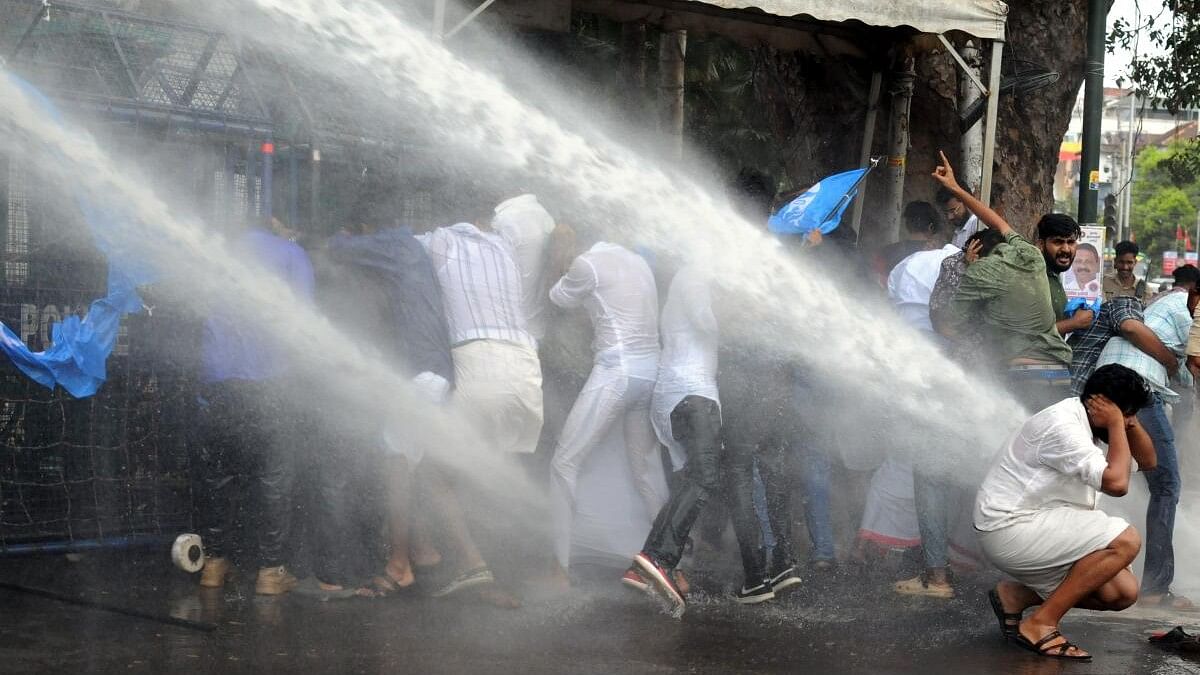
{"points": [[268, 179], [314, 195], [868, 143], [81, 545], [1093, 112], [439, 19], [671, 50], [989, 129], [1130, 149], [902, 90], [969, 92], [468, 19]]}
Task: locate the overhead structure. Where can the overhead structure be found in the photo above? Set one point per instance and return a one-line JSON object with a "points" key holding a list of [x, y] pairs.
{"points": [[845, 28]]}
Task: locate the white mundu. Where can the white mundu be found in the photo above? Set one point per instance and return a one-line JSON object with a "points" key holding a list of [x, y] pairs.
{"points": [[1036, 509]]}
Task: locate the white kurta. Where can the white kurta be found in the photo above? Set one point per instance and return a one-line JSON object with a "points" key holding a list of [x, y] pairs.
{"points": [[688, 365], [617, 289], [526, 225]]}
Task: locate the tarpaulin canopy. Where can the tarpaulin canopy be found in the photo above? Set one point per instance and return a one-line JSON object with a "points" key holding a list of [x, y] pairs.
{"points": [[980, 18]]}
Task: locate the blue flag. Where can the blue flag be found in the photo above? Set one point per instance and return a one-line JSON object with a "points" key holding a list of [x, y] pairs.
{"points": [[80, 347], [820, 208]]}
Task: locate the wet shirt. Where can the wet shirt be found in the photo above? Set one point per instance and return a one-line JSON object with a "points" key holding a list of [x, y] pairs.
{"points": [[1113, 288], [688, 364], [420, 335], [526, 226], [1051, 462], [237, 347], [1087, 344], [1008, 292], [911, 283], [617, 289], [480, 284], [1171, 321]]}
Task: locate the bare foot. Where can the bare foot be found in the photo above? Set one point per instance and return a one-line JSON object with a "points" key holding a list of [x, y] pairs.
{"points": [[400, 573], [497, 597], [681, 583], [362, 592], [1167, 601], [1037, 632]]}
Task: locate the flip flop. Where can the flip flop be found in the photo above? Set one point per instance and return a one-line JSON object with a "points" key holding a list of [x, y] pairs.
{"points": [[469, 579], [1058, 651], [1007, 630]]}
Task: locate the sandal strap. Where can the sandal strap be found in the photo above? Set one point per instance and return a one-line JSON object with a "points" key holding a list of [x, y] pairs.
{"points": [[1047, 638]]}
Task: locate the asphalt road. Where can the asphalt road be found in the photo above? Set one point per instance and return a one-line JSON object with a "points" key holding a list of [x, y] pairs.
{"points": [[842, 623]]}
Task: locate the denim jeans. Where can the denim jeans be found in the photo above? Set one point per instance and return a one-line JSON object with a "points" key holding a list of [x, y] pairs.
{"points": [[1164, 485], [933, 518], [815, 472], [696, 424]]}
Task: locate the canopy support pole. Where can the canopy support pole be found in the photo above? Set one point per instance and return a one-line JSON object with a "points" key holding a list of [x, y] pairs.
{"points": [[989, 129], [469, 18], [902, 91], [868, 141]]}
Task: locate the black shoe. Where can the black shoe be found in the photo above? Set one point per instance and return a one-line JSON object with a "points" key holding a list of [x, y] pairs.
{"points": [[754, 595], [785, 579]]}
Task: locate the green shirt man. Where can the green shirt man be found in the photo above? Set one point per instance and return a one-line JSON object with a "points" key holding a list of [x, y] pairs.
{"points": [[1008, 292]]}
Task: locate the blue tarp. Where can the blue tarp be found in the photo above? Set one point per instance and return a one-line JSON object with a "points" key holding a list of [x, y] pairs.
{"points": [[80, 347], [820, 207]]}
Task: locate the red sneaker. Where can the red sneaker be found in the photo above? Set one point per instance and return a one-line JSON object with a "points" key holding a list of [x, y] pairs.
{"points": [[661, 578], [633, 579]]}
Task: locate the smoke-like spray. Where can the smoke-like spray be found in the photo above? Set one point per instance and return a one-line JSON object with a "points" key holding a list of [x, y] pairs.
{"points": [[354, 376], [888, 366]]}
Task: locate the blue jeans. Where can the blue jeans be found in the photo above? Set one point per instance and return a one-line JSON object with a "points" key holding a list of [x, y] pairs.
{"points": [[815, 472], [932, 498], [1164, 485]]}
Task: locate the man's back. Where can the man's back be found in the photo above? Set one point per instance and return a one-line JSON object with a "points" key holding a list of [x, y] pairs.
{"points": [[617, 288], [235, 346], [526, 225], [480, 284]]}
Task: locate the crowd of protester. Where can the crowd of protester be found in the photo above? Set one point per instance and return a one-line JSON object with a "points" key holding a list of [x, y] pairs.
{"points": [[706, 431]]}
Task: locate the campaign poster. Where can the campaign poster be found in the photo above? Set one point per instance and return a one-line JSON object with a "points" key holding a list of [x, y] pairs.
{"points": [[1189, 258], [1085, 279]]}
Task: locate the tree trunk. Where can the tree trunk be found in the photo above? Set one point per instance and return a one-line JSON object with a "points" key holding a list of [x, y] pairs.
{"points": [[817, 107]]}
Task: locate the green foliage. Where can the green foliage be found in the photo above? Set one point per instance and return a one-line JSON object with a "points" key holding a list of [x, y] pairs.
{"points": [[1162, 202], [1167, 69]]}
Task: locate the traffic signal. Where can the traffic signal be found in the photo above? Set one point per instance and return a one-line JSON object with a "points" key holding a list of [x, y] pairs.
{"points": [[1110, 211]]}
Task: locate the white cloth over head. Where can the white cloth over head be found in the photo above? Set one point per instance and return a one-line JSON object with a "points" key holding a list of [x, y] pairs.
{"points": [[526, 226]]}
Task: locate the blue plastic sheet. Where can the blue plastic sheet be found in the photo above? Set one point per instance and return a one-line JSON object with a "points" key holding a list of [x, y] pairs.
{"points": [[80, 346], [819, 208]]}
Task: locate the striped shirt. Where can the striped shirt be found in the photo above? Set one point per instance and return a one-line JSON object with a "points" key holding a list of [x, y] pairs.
{"points": [[481, 285]]}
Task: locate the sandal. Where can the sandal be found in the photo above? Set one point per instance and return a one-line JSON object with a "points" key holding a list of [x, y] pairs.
{"points": [[1058, 651], [1009, 623], [475, 577], [1168, 600]]}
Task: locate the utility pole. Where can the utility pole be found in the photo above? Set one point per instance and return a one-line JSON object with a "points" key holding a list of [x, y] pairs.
{"points": [[1127, 171], [1093, 112]]}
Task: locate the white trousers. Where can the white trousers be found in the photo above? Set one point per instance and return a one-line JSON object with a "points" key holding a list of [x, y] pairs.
{"points": [[616, 395]]}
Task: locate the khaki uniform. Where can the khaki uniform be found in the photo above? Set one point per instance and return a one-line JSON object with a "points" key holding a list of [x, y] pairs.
{"points": [[1114, 288]]}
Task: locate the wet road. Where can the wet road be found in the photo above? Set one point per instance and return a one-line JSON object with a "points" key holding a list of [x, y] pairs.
{"points": [[832, 624]]}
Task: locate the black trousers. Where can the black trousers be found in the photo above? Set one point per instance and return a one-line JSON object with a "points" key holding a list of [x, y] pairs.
{"points": [[711, 465], [242, 456]]}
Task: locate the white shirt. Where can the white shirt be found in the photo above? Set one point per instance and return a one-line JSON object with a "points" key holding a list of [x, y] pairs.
{"points": [[481, 286], [688, 365], [962, 234], [1052, 461], [911, 283], [526, 225], [617, 289]]}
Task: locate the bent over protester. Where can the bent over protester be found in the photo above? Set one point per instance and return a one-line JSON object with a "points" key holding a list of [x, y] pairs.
{"points": [[1036, 511]]}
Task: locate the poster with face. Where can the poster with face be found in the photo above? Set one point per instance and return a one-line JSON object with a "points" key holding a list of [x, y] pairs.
{"points": [[1085, 279]]}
